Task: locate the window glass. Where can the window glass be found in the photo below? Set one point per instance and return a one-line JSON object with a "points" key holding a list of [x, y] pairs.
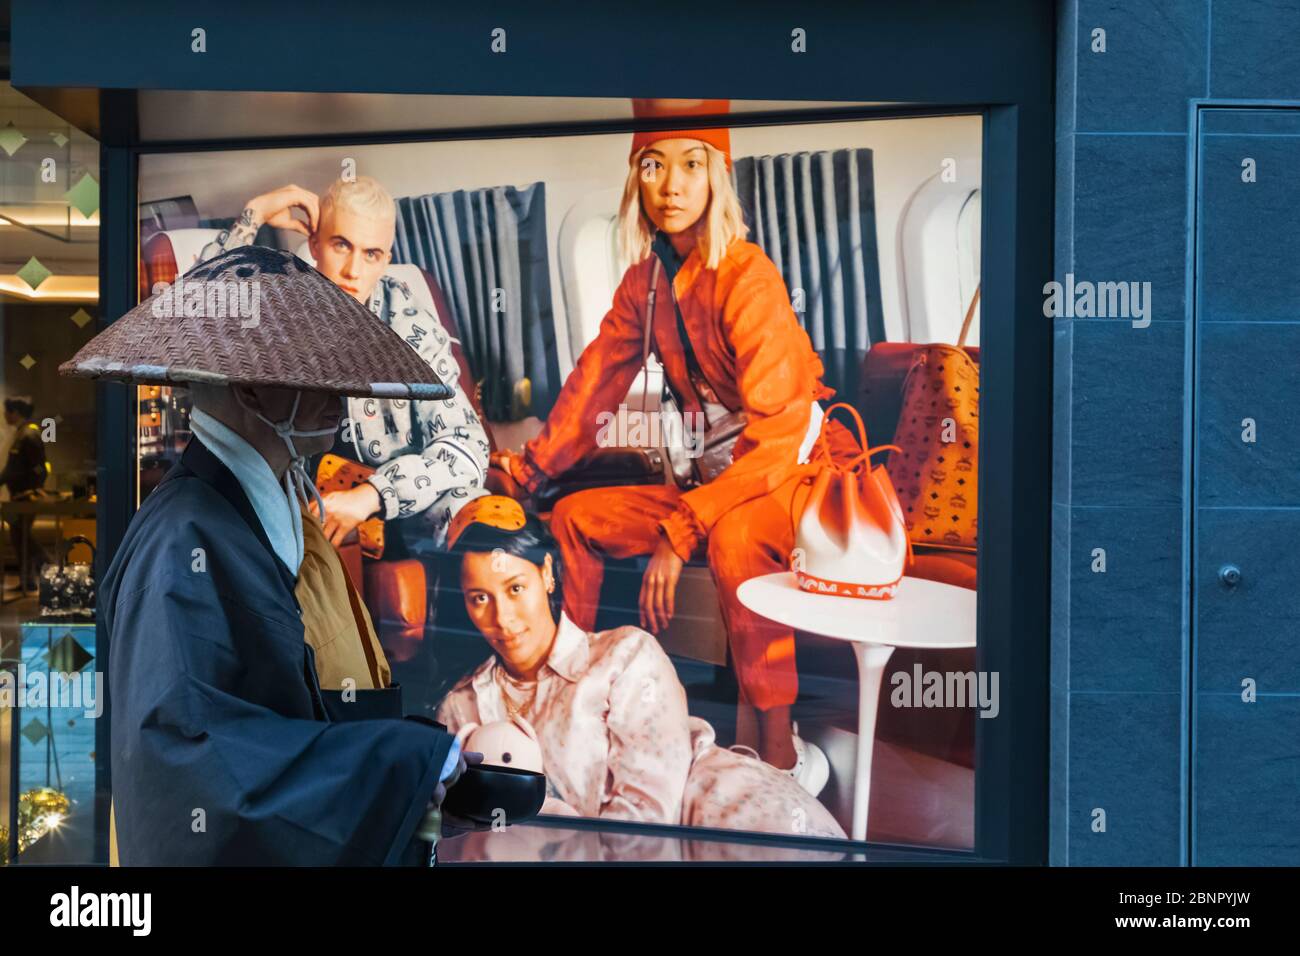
{"points": [[51, 679], [677, 635]]}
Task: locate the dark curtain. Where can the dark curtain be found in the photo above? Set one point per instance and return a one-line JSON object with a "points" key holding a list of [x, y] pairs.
{"points": [[487, 249], [814, 214]]}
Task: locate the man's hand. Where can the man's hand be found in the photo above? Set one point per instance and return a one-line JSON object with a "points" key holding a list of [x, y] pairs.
{"points": [[344, 510], [276, 209], [659, 587], [451, 825], [466, 760]]}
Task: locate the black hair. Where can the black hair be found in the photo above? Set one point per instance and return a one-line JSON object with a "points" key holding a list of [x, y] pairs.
{"points": [[533, 542], [20, 405]]}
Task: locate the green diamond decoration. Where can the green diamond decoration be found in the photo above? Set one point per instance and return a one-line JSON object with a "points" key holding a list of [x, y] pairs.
{"points": [[11, 138], [59, 139], [84, 197], [81, 317], [27, 362], [35, 731], [34, 273], [67, 656]]}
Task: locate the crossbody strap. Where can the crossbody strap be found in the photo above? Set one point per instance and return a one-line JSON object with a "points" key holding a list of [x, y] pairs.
{"points": [[661, 248], [648, 323], [650, 299]]}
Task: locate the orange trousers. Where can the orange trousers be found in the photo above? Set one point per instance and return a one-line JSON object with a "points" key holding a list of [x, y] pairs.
{"points": [[754, 538]]}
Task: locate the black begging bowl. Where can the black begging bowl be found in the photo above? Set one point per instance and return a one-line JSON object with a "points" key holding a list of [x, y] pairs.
{"points": [[484, 793]]}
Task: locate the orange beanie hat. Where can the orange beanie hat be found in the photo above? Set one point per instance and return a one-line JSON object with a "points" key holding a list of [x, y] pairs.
{"points": [[662, 109]]}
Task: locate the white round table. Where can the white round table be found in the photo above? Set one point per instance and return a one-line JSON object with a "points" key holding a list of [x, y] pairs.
{"points": [[922, 613]]}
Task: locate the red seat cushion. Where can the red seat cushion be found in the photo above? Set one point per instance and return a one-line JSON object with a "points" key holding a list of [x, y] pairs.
{"points": [[946, 567]]}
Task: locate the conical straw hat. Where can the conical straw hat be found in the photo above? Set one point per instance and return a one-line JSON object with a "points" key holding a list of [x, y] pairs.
{"points": [[258, 316]]}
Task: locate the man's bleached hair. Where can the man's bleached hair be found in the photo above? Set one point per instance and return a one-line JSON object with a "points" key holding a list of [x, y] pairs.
{"points": [[724, 221], [364, 196]]}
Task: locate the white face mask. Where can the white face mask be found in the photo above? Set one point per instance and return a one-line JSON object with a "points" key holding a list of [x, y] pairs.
{"points": [[297, 483]]}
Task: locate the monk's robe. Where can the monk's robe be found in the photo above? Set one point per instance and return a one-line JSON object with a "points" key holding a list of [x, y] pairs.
{"points": [[225, 748]]}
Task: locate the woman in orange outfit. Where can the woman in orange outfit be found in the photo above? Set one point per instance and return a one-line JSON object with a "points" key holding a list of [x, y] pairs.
{"points": [[750, 353]]}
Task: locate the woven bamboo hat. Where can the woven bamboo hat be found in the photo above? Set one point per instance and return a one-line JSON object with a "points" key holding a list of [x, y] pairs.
{"points": [[258, 316]]}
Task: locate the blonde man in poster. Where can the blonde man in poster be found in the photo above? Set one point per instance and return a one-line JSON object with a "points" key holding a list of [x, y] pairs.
{"points": [[430, 456]]}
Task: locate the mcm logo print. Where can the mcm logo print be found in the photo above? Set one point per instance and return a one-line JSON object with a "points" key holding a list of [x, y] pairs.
{"points": [[405, 508], [374, 447], [439, 424], [416, 337], [450, 458], [370, 407], [461, 432], [394, 473], [422, 481]]}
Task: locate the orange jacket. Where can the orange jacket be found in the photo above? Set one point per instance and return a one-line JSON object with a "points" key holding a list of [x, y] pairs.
{"points": [[749, 345]]}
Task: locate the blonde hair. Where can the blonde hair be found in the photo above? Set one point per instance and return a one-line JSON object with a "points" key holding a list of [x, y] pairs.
{"points": [[724, 221], [363, 195]]}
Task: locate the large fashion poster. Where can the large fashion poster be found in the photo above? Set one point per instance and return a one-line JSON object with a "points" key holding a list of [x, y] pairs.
{"points": [[694, 533]]}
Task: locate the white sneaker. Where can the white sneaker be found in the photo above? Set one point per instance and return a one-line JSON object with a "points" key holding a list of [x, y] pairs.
{"points": [[811, 769]]}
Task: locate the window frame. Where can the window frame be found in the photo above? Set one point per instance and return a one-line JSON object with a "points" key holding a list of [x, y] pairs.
{"points": [[1011, 753]]}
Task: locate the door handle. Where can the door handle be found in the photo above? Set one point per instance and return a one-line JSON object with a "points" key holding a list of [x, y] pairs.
{"points": [[1230, 575]]}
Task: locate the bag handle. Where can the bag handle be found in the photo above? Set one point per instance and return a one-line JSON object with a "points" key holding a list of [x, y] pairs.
{"points": [[70, 543], [867, 451], [970, 314], [921, 360], [863, 459]]}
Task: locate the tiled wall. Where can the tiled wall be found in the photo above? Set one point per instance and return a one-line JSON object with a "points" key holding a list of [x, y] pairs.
{"points": [[1119, 638]]}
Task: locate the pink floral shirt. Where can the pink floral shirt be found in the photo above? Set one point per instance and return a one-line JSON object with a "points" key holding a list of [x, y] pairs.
{"points": [[618, 741]]}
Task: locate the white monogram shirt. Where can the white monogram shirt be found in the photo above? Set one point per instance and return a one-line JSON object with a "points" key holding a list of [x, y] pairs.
{"points": [[431, 456]]}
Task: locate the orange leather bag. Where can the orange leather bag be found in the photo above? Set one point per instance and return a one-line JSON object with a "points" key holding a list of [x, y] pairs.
{"points": [[339, 474], [849, 535], [936, 469]]}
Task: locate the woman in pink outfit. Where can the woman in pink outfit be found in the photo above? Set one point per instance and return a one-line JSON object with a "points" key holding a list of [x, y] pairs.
{"points": [[608, 710]]}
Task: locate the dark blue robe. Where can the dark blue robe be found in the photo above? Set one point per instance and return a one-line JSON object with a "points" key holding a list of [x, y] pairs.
{"points": [[224, 751]]}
